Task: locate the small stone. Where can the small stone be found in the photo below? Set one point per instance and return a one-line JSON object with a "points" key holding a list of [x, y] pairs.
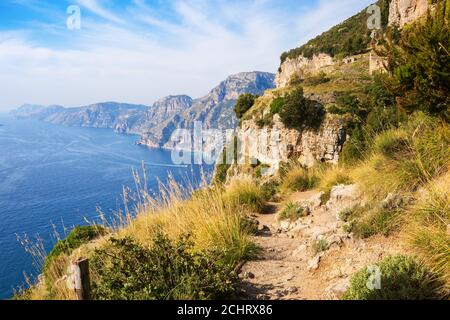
{"points": [[287, 291], [337, 290], [313, 264]]}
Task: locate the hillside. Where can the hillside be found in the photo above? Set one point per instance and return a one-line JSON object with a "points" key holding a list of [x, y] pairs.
{"points": [[358, 192]]}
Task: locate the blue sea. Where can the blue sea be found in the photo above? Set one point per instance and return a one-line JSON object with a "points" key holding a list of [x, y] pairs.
{"points": [[57, 175]]}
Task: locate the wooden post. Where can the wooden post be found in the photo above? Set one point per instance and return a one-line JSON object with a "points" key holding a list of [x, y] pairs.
{"points": [[79, 279]]}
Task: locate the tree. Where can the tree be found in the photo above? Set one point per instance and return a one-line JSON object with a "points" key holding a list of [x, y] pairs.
{"points": [[298, 111], [243, 104], [420, 64]]}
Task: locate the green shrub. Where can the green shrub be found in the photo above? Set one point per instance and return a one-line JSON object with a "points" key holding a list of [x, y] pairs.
{"points": [[276, 105], [420, 64], [77, 237], [167, 270], [269, 189], [243, 104], [292, 211], [319, 246], [298, 111], [402, 278]]}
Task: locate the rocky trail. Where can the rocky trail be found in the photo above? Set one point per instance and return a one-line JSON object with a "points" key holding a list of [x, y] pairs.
{"points": [[291, 267]]}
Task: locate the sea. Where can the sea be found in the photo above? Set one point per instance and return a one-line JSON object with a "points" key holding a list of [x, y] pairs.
{"points": [[54, 177]]}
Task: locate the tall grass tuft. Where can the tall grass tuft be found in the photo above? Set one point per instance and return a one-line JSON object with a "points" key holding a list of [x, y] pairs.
{"points": [[404, 159], [428, 228]]}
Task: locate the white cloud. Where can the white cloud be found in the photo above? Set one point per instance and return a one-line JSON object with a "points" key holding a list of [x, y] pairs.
{"points": [[151, 56]]}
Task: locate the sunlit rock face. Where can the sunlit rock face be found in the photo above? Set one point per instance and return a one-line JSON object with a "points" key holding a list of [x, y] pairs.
{"points": [[302, 66], [402, 12]]}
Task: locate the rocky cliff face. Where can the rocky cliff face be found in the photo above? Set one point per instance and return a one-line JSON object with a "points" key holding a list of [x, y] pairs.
{"points": [[402, 12], [307, 147], [302, 67]]}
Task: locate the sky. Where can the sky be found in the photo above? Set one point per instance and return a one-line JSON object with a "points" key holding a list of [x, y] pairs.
{"points": [[138, 51]]}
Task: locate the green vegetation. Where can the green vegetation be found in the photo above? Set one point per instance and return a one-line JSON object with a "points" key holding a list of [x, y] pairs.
{"points": [[277, 105], [243, 104], [76, 238], [402, 278], [244, 192], [167, 270], [427, 228], [347, 38], [420, 64], [298, 111], [292, 212], [320, 245], [298, 178]]}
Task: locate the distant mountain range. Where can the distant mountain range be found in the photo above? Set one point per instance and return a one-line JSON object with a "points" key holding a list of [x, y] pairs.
{"points": [[155, 124]]}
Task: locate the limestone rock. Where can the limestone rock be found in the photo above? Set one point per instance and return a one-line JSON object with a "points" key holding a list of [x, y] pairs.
{"points": [[302, 66], [308, 147], [337, 289], [402, 12], [313, 264]]}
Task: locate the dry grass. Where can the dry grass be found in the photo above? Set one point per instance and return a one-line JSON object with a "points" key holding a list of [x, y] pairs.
{"points": [[402, 160], [428, 228], [215, 219]]}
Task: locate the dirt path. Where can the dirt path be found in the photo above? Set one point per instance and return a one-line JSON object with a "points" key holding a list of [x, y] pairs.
{"points": [[289, 267]]}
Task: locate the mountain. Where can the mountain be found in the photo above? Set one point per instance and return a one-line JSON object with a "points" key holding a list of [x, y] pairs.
{"points": [[215, 110], [156, 123]]}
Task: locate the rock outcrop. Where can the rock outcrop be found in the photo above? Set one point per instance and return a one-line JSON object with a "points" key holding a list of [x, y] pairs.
{"points": [[301, 67], [308, 146], [402, 12]]}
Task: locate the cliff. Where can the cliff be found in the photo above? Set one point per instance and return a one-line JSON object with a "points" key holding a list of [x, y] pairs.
{"points": [[302, 67], [306, 147], [402, 12]]}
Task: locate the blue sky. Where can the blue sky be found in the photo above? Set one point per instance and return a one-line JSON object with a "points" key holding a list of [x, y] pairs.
{"points": [[140, 50]]}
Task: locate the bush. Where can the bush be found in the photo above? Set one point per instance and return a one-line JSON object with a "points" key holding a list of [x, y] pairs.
{"points": [[402, 278], [319, 246], [298, 111], [292, 211], [244, 103], [76, 238], [167, 270], [276, 105], [420, 64], [269, 190]]}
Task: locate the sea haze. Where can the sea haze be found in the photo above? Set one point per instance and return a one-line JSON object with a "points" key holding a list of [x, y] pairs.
{"points": [[57, 175]]}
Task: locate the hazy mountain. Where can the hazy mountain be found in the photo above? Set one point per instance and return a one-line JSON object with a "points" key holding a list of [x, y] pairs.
{"points": [[157, 122]]}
